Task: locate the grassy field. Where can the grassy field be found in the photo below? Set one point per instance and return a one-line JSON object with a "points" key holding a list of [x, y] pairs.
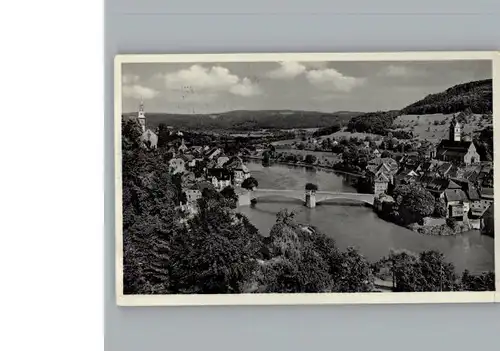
{"points": [[341, 134], [423, 126]]}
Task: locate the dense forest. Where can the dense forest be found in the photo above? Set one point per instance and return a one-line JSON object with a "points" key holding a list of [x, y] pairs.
{"points": [[476, 96], [250, 120], [219, 251], [373, 122], [483, 139]]}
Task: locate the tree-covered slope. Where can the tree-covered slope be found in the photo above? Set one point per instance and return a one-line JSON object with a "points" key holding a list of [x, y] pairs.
{"points": [[476, 96]]}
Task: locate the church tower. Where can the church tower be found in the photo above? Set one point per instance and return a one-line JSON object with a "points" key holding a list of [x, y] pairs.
{"points": [[141, 117], [455, 130]]}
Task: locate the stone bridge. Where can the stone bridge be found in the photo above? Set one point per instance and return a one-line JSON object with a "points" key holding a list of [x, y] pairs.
{"points": [[312, 198]]}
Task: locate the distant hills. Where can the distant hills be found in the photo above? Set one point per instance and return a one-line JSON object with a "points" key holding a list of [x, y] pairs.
{"points": [[476, 96], [251, 120]]}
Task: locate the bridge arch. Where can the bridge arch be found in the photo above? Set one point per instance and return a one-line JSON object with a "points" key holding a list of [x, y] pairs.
{"points": [[319, 196], [364, 198]]}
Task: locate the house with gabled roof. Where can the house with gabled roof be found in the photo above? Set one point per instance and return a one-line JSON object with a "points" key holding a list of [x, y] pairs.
{"points": [[177, 165], [193, 193], [457, 203], [213, 153], [197, 150], [428, 167], [477, 207], [240, 171], [486, 194], [183, 148], [220, 177], [221, 161], [380, 173], [437, 185]]}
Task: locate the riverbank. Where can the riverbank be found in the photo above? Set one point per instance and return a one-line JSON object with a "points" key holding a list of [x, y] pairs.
{"points": [[430, 226], [308, 165], [439, 229], [357, 226]]}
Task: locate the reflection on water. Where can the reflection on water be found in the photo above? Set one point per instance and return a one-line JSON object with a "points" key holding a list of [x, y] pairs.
{"points": [[355, 225]]}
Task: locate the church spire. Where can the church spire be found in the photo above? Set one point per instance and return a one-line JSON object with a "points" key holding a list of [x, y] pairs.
{"points": [[141, 116], [455, 129]]}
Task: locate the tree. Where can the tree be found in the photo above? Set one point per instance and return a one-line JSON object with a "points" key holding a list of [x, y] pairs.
{"points": [[440, 209], [452, 223], [285, 216], [311, 187], [199, 168], [488, 227], [310, 159], [250, 183], [480, 282], [150, 221], [306, 260], [266, 156], [414, 203], [230, 195], [386, 154], [427, 271], [352, 273], [164, 136], [217, 254], [131, 134]]}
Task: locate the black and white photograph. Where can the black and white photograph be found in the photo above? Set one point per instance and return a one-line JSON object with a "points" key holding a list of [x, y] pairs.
{"points": [[304, 178]]}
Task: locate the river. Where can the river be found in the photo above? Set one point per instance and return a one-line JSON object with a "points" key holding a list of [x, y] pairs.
{"points": [[355, 225]]}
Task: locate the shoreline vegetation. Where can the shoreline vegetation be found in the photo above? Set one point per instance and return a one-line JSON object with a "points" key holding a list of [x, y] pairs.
{"points": [[307, 165], [219, 251], [216, 250], [429, 228]]}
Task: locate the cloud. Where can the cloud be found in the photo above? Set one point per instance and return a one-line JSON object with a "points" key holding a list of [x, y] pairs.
{"points": [[130, 79], [287, 70], [331, 79], [245, 88], [137, 91], [397, 71], [316, 64], [200, 80]]}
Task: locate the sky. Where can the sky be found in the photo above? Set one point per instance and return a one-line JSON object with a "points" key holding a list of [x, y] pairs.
{"points": [[314, 86]]}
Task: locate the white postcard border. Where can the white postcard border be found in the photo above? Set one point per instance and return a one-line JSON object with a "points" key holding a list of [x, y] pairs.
{"points": [[295, 299]]}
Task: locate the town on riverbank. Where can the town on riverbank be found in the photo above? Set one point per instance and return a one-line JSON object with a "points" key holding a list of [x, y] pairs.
{"points": [[444, 188], [419, 168]]}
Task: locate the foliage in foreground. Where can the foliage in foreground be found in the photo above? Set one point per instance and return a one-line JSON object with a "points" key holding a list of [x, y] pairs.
{"points": [[220, 251]]}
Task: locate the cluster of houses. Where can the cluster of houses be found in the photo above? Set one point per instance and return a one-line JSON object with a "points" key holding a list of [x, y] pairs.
{"points": [[200, 167], [453, 173], [205, 167]]}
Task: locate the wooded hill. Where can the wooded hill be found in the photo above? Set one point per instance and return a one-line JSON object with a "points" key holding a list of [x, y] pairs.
{"points": [[250, 120], [475, 97]]}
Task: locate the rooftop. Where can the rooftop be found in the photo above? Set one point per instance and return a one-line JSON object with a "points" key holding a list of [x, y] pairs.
{"points": [[455, 195], [460, 146]]}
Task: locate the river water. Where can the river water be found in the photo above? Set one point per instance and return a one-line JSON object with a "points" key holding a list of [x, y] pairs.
{"points": [[353, 225]]}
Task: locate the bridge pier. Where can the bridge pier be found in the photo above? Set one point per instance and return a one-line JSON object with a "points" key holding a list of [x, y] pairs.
{"points": [[244, 198], [310, 199]]}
